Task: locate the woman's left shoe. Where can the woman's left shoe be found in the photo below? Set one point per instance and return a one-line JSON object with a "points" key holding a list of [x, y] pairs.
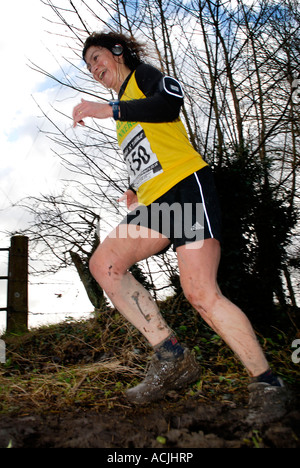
{"points": [[267, 403]]}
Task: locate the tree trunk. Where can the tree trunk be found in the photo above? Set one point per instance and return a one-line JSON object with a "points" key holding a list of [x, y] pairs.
{"points": [[94, 291]]}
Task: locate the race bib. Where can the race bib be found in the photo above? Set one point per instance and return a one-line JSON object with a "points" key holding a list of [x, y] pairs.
{"points": [[142, 163]]}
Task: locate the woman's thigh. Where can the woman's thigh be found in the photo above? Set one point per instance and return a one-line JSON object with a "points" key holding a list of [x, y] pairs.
{"points": [[198, 266], [127, 245]]}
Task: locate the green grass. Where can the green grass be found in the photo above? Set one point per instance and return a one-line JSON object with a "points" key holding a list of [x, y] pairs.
{"points": [[89, 364]]}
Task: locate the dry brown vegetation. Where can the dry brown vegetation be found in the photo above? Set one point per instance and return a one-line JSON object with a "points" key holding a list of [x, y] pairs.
{"points": [[63, 387], [88, 364]]}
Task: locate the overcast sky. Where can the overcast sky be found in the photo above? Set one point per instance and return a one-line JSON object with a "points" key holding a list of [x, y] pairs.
{"points": [[28, 166]]}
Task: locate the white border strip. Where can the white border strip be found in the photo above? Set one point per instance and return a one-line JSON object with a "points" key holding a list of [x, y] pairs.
{"points": [[204, 206]]}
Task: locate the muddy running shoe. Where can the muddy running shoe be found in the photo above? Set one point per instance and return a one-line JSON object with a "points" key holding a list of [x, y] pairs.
{"points": [[267, 403], [163, 376]]}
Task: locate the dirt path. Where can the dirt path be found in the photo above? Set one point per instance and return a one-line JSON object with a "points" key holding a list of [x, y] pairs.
{"points": [[186, 424]]}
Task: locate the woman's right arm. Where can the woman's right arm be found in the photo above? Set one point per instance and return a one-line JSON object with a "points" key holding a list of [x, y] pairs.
{"points": [[130, 198]]}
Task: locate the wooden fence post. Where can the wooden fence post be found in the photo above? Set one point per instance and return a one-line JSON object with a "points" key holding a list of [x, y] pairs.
{"points": [[17, 290]]}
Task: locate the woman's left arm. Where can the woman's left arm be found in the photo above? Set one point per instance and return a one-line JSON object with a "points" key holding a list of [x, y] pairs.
{"points": [[164, 98]]}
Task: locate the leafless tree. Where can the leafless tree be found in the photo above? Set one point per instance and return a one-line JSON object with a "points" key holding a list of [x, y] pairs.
{"points": [[238, 64]]}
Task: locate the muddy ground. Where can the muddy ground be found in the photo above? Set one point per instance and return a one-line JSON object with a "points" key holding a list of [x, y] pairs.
{"points": [[165, 425], [63, 387]]}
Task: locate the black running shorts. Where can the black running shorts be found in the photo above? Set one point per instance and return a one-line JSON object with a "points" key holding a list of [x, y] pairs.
{"points": [[187, 213]]}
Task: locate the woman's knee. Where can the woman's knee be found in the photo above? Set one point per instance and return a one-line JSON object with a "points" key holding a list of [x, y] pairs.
{"points": [[96, 263], [105, 266], [203, 299], [100, 264]]}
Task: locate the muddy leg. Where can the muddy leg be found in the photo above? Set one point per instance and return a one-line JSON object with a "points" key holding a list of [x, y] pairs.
{"points": [[109, 266]]}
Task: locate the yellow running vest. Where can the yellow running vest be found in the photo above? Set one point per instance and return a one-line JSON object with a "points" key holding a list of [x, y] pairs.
{"points": [[157, 155]]}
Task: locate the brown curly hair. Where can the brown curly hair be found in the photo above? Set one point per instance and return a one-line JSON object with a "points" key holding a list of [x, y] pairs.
{"points": [[133, 51]]}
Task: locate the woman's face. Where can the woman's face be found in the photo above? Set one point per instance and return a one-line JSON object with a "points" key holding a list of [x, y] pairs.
{"points": [[105, 67]]}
